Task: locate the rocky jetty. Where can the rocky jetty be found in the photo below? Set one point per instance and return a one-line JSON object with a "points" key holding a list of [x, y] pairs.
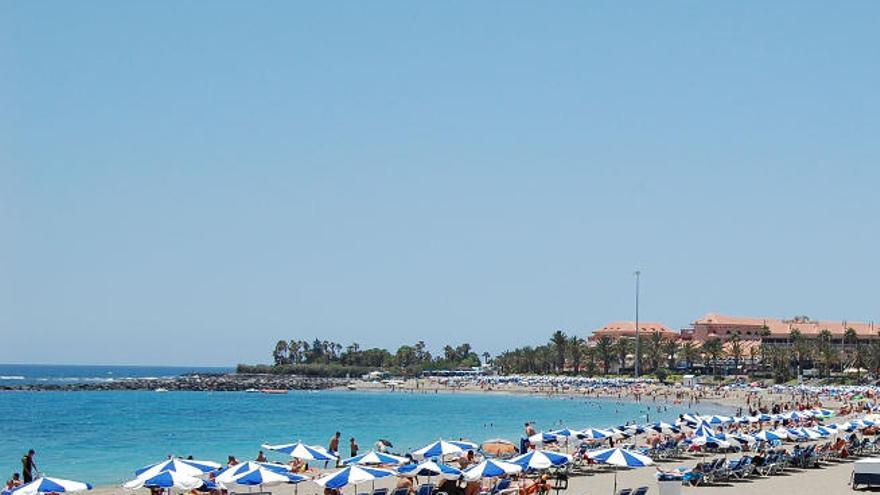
{"points": [[232, 382]]}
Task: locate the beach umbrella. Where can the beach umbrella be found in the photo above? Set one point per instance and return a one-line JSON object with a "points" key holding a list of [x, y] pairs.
{"points": [[567, 433], [498, 447], [704, 430], [545, 437], [373, 458], [827, 432], [663, 427], [226, 475], [688, 419], [716, 419], [711, 441], [490, 468], [744, 438], [187, 467], [632, 429], [430, 468], [165, 479], [764, 418], [596, 434], [620, 457], [302, 451], [540, 459], [49, 485], [352, 475], [767, 436], [814, 433], [617, 433], [464, 444], [262, 476], [439, 448]]}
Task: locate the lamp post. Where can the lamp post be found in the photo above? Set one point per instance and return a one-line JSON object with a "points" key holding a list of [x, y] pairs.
{"points": [[638, 339]]}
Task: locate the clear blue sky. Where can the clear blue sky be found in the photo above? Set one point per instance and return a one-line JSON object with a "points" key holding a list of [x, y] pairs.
{"points": [[187, 182]]}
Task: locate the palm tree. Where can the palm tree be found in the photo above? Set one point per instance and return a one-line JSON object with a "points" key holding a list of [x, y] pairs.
{"points": [[670, 349], [559, 341], [623, 346], [690, 353], [713, 349], [655, 351], [800, 348], [590, 356], [736, 350], [825, 349], [850, 344], [575, 351], [280, 354], [765, 332], [753, 356], [605, 352], [486, 357], [874, 356]]}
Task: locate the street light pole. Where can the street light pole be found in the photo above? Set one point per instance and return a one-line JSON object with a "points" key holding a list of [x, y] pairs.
{"points": [[638, 339]]}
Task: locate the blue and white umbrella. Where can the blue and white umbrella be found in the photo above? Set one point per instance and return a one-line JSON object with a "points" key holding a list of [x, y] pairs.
{"points": [[491, 468], [352, 475], [596, 434], [545, 437], [620, 457], [704, 430], [229, 473], [716, 419], [262, 476], [373, 458], [302, 451], [767, 436], [567, 433], [49, 485], [187, 467], [464, 444], [541, 459], [663, 427], [439, 448], [712, 441], [688, 419], [430, 468], [165, 479]]}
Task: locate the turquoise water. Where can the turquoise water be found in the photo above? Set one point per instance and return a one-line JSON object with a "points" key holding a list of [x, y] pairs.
{"points": [[101, 437]]}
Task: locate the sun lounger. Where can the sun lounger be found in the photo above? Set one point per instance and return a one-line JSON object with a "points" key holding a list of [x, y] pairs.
{"points": [[425, 489], [642, 490], [400, 491]]}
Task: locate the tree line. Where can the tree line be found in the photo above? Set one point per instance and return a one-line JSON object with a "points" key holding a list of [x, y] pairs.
{"points": [[782, 359], [328, 358]]}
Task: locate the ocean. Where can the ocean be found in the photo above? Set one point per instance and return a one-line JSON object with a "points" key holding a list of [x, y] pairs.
{"points": [[102, 437]]}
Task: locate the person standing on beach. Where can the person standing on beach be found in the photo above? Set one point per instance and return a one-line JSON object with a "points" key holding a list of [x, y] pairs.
{"points": [[333, 447], [28, 467]]}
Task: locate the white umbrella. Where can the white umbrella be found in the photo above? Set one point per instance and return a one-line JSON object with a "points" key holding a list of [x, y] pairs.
{"points": [[50, 485]]}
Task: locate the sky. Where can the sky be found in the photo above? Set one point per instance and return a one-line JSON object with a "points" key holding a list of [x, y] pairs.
{"points": [[188, 182]]}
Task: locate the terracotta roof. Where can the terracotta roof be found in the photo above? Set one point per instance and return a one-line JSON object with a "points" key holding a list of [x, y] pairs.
{"points": [[630, 326], [779, 326]]}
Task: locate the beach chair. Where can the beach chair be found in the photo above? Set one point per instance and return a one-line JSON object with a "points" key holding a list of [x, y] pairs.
{"points": [[503, 487], [625, 491], [380, 491], [400, 491], [642, 490], [425, 489]]}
